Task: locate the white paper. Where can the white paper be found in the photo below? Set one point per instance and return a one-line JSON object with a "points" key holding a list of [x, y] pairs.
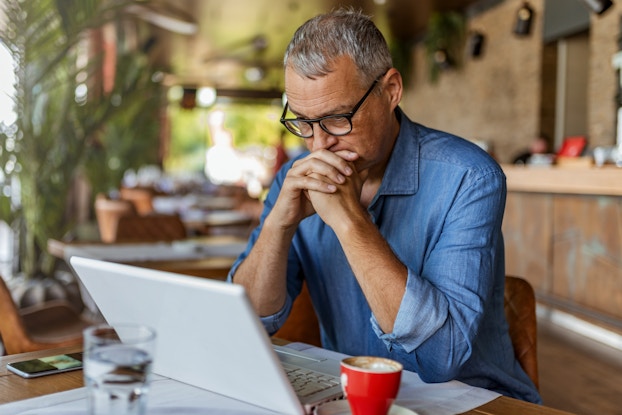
{"points": [[447, 398]]}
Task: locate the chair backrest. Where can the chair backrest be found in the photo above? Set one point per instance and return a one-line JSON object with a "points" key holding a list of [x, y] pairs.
{"points": [[156, 227], [12, 328], [141, 198], [15, 334], [107, 212], [520, 312]]}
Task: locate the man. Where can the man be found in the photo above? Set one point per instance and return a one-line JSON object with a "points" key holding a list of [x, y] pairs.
{"points": [[539, 145], [396, 228]]}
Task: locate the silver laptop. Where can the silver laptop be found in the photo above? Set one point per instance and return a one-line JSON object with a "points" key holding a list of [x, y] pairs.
{"points": [[209, 336]]}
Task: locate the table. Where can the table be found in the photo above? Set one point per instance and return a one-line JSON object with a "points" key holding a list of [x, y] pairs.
{"points": [[213, 260], [14, 388], [180, 204]]}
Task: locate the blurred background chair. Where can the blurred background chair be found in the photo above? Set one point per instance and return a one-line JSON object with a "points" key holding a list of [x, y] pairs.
{"points": [[141, 198], [52, 324], [154, 227], [520, 313], [107, 212]]}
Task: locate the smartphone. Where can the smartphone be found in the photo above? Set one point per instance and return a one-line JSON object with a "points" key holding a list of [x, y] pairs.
{"points": [[46, 365]]}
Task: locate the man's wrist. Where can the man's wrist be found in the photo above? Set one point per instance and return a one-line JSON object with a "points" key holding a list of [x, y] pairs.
{"points": [[353, 223], [272, 226]]}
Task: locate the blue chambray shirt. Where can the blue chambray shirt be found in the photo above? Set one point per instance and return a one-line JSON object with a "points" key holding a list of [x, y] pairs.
{"points": [[440, 207]]}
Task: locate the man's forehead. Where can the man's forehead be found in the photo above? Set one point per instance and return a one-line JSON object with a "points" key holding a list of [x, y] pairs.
{"points": [[334, 83], [341, 70], [318, 100]]}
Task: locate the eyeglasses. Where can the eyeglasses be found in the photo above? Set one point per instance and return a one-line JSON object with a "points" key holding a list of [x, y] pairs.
{"points": [[336, 124]]}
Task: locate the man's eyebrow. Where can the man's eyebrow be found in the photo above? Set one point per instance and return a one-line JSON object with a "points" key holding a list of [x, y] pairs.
{"points": [[342, 109]]}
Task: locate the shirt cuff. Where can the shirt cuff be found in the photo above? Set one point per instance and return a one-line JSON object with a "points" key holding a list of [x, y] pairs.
{"points": [[420, 315], [274, 322]]}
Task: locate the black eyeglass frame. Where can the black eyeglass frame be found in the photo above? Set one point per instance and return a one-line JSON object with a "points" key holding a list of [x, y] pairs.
{"points": [[348, 116]]}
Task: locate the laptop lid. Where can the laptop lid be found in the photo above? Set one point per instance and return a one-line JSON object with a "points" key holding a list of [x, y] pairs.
{"points": [[208, 334]]}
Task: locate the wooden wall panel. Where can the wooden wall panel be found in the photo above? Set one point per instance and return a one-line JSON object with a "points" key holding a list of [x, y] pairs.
{"points": [[527, 232], [570, 248], [587, 252]]}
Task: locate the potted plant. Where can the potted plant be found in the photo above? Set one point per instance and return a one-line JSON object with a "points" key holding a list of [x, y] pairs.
{"points": [[444, 42], [58, 122]]}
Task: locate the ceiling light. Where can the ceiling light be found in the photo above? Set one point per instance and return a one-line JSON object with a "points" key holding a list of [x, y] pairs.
{"points": [[206, 96], [175, 93], [254, 74]]}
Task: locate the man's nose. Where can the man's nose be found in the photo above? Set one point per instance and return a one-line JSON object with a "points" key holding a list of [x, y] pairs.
{"points": [[321, 139]]}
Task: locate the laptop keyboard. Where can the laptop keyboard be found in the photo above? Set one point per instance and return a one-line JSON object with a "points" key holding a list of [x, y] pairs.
{"points": [[307, 382]]}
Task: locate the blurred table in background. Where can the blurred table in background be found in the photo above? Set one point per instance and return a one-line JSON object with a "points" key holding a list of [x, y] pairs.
{"points": [[183, 203], [209, 256], [208, 215]]}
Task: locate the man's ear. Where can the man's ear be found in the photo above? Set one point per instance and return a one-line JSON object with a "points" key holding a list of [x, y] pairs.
{"points": [[393, 86]]}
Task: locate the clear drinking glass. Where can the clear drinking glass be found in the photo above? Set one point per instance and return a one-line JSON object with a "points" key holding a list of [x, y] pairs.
{"points": [[117, 368]]}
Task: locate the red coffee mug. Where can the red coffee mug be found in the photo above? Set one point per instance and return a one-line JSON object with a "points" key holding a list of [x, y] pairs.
{"points": [[370, 383]]}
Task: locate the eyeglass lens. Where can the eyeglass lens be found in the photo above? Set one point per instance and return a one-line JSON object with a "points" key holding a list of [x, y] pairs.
{"points": [[332, 125]]}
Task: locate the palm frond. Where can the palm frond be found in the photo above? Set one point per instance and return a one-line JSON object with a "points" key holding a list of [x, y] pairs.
{"points": [[54, 131]]}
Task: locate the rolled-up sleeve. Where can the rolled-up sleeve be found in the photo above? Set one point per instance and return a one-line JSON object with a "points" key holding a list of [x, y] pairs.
{"points": [[420, 299], [445, 301]]}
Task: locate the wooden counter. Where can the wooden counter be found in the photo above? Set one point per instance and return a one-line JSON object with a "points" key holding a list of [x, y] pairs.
{"points": [[563, 232]]}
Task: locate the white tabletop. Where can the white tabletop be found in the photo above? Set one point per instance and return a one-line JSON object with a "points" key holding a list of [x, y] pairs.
{"points": [[156, 251]]}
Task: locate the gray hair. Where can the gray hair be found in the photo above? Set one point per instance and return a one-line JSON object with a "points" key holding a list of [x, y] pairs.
{"points": [[345, 32]]}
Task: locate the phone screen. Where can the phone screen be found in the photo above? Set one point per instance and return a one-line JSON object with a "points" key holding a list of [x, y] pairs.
{"points": [[46, 365]]}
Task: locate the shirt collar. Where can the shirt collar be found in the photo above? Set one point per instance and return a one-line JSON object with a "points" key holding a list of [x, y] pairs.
{"points": [[401, 176]]}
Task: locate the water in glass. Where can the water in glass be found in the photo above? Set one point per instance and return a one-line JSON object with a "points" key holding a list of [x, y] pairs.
{"points": [[117, 376]]}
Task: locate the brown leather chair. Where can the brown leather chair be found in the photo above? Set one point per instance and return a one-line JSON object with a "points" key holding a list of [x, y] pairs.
{"points": [[155, 227], [141, 198], [107, 212], [520, 312], [40, 327]]}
